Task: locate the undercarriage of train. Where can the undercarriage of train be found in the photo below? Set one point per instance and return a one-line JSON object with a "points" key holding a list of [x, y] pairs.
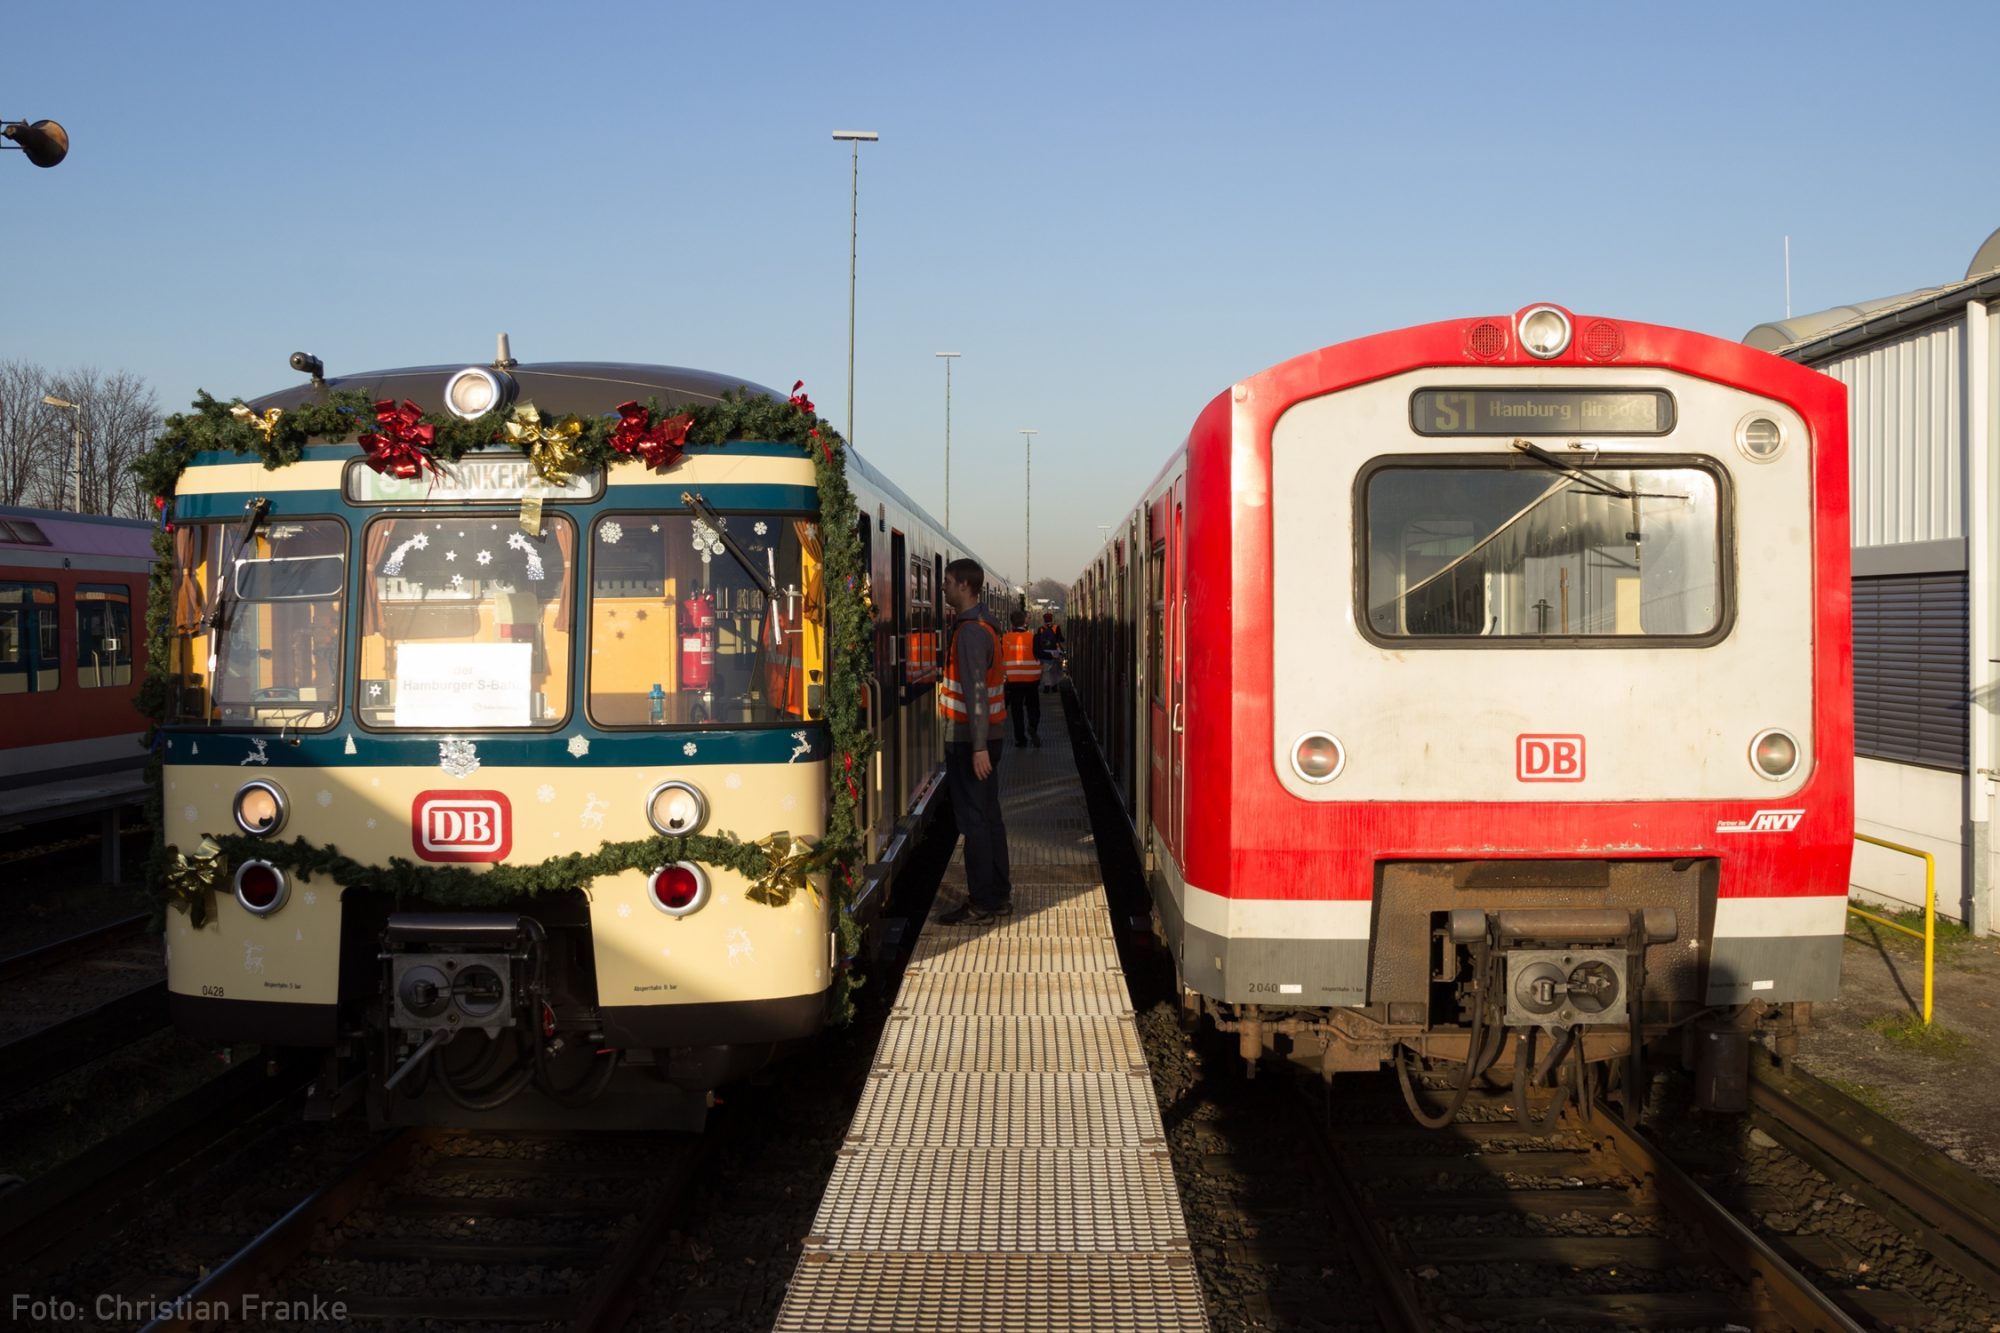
{"points": [[1554, 998]]}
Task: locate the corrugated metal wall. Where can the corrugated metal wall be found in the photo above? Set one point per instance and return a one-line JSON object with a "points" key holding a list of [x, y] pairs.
{"points": [[1907, 437]]}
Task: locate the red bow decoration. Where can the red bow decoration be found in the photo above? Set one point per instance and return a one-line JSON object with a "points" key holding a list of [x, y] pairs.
{"points": [[799, 400], [401, 444], [659, 444]]}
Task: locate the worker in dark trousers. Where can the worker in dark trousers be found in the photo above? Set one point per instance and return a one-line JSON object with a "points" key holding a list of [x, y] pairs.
{"points": [[972, 696], [1024, 701]]}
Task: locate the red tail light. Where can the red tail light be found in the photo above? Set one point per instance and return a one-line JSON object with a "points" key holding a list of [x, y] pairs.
{"points": [[679, 889], [260, 887]]}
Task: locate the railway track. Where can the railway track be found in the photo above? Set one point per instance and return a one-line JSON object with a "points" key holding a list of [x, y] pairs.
{"points": [[451, 1228], [1484, 1224]]}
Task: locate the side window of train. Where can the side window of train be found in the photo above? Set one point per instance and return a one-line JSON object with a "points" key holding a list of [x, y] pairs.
{"points": [[103, 635], [865, 532], [30, 639]]}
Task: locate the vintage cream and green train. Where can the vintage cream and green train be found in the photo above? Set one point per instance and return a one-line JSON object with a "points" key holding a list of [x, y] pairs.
{"points": [[434, 715]]}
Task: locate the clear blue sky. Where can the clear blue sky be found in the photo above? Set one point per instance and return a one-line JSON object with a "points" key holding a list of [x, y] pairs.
{"points": [[1112, 211]]}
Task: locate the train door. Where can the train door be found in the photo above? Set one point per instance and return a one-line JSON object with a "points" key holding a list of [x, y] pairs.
{"points": [[1177, 605], [896, 696], [1152, 811], [871, 700]]}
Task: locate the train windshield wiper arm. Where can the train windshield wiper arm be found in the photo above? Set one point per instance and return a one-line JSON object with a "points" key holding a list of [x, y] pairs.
{"points": [[1585, 479], [212, 618], [1560, 484], [765, 583]]}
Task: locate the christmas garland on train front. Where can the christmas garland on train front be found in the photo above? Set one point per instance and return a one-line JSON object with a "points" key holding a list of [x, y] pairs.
{"points": [[406, 442]]}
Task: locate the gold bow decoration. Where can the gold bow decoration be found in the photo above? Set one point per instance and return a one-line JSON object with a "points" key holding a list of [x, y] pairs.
{"points": [[193, 880], [267, 424], [552, 450], [793, 861]]}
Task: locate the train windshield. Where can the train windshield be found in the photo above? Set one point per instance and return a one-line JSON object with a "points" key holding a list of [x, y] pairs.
{"points": [[465, 622], [683, 631], [257, 625], [1497, 551]]}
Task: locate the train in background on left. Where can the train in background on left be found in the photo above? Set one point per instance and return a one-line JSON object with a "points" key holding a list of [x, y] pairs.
{"points": [[72, 595], [478, 667]]}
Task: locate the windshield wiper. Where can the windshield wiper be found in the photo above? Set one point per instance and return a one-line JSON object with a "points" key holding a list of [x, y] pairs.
{"points": [[212, 620], [766, 584], [1584, 479]]}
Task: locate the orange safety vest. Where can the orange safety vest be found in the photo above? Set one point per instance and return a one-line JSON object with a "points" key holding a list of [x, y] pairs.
{"points": [[952, 693], [1017, 650]]}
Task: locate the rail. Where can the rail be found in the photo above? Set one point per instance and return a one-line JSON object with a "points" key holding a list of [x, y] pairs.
{"points": [[1929, 933]]}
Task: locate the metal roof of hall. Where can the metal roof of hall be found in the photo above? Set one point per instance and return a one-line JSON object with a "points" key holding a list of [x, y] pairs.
{"points": [[1844, 326]]}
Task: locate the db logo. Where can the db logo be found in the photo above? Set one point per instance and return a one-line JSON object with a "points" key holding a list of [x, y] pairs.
{"points": [[1548, 758], [462, 825]]}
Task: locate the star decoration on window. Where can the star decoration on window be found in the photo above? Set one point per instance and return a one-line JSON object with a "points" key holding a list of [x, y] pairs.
{"points": [[485, 557], [761, 528], [656, 527], [374, 689], [458, 580], [451, 555]]}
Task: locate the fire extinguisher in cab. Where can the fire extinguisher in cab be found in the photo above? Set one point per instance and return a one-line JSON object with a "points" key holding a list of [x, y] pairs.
{"points": [[698, 641]]}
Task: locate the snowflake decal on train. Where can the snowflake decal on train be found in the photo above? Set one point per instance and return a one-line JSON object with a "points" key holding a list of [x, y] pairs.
{"points": [[690, 749], [460, 758], [611, 533], [579, 746], [517, 541]]}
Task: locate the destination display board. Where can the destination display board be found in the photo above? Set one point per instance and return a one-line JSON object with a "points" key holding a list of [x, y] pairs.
{"points": [[1493, 411], [469, 479]]}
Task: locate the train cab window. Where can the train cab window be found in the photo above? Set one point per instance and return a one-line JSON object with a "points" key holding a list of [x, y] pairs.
{"points": [[465, 622], [252, 646], [683, 631], [30, 639], [1472, 550], [103, 635]]}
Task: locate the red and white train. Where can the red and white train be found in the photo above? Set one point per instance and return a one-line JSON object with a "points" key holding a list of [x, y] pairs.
{"points": [[72, 598], [1479, 696]]}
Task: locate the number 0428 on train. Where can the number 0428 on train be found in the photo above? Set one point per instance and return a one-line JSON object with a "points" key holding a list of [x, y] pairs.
{"points": [[1479, 696]]}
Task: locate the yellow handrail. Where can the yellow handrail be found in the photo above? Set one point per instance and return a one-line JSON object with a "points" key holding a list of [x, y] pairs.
{"points": [[1929, 933]]}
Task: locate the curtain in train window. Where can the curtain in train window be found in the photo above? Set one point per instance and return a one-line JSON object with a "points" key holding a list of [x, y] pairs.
{"points": [[466, 623], [1457, 551], [103, 635], [30, 639]]}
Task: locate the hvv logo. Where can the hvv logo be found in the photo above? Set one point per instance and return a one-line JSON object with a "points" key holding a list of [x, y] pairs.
{"points": [[1763, 821], [462, 825], [1548, 758]]}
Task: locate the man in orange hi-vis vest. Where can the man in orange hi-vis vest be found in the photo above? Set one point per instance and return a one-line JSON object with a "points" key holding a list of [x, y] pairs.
{"points": [[972, 697], [1024, 700]]}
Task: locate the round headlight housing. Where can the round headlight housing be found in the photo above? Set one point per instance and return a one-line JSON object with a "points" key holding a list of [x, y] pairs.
{"points": [[678, 889], [261, 887], [1760, 438], [1317, 757], [260, 808], [1544, 331], [475, 391], [677, 809], [1775, 754]]}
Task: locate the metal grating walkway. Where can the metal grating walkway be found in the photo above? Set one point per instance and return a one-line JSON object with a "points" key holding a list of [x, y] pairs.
{"points": [[1006, 1168]]}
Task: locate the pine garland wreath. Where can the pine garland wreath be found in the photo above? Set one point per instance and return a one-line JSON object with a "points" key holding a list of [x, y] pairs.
{"points": [[279, 437]]}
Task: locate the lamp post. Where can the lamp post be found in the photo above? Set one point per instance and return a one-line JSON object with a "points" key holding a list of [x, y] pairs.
{"points": [[76, 446], [1028, 434], [45, 142], [948, 357], [857, 138]]}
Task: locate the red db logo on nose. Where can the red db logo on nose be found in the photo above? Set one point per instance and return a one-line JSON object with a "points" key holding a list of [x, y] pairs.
{"points": [[1548, 758], [462, 825]]}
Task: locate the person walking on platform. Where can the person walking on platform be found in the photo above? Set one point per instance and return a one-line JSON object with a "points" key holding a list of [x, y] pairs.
{"points": [[972, 697], [1048, 650], [1024, 703]]}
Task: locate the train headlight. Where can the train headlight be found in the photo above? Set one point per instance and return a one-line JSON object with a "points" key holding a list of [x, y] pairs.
{"points": [[1544, 331], [261, 887], [1760, 438], [677, 809], [475, 391], [679, 889], [1774, 753], [260, 808], [1318, 757]]}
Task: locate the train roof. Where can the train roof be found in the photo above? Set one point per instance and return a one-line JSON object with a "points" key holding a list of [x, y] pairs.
{"points": [[68, 534], [586, 388]]}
